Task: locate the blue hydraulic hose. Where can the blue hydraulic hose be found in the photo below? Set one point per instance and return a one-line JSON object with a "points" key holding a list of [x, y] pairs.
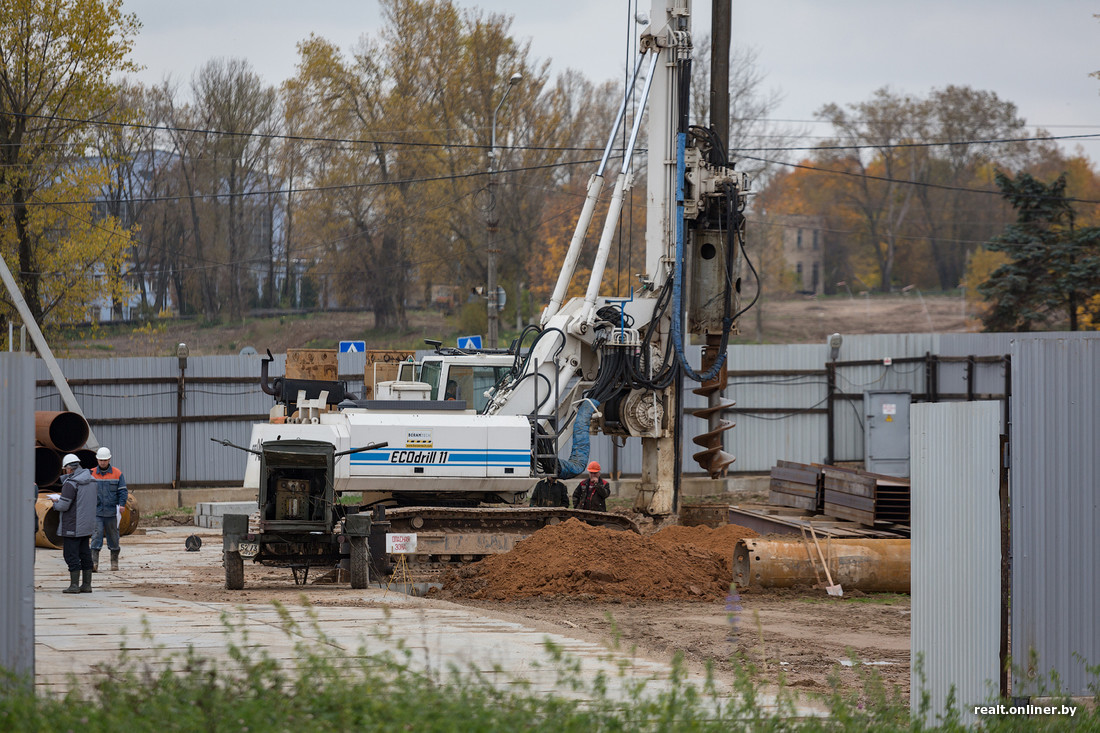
{"points": [[677, 275], [578, 456]]}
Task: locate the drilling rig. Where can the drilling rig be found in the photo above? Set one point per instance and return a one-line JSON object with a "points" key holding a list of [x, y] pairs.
{"points": [[593, 364]]}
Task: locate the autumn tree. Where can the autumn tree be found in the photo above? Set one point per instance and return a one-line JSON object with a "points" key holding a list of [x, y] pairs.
{"points": [[220, 142], [403, 204], [139, 168], [1054, 267], [56, 63], [954, 211], [870, 145]]}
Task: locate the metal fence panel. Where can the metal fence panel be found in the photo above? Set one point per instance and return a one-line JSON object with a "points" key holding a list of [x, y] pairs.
{"points": [[1055, 495], [16, 536], [761, 438], [224, 410], [956, 555]]}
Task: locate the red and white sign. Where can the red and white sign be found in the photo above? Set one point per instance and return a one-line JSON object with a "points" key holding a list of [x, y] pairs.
{"points": [[400, 544]]}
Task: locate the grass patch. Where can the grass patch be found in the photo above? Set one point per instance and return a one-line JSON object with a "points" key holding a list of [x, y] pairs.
{"points": [[183, 511], [385, 684]]}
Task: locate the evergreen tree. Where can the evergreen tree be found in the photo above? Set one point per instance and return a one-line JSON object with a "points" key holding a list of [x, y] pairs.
{"points": [[1055, 268]]}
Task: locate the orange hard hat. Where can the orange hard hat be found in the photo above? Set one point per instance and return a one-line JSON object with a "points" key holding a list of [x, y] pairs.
{"points": [[593, 467]]}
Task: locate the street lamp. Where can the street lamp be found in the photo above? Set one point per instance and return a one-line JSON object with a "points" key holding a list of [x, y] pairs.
{"points": [[491, 222]]}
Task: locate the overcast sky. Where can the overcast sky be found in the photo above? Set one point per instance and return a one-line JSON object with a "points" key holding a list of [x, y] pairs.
{"points": [[814, 52]]}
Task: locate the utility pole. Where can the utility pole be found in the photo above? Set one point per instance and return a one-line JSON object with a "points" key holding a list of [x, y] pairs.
{"points": [[491, 222]]}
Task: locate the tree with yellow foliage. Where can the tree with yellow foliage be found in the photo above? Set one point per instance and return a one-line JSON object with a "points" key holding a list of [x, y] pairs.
{"points": [[56, 62]]}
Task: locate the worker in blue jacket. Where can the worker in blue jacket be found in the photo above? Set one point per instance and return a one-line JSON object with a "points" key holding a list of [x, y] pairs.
{"points": [[111, 497]]}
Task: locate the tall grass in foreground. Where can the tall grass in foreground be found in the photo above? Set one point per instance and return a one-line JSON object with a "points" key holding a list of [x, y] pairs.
{"points": [[331, 688]]}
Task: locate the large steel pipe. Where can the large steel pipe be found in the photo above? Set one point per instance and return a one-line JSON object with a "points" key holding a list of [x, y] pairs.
{"points": [[48, 519], [130, 516], [63, 431], [47, 465], [856, 564], [87, 458]]}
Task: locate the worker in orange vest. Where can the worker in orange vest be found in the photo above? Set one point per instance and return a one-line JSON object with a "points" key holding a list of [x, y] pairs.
{"points": [[593, 491]]}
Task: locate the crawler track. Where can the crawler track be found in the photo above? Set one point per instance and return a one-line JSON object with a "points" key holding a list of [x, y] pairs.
{"points": [[453, 536]]}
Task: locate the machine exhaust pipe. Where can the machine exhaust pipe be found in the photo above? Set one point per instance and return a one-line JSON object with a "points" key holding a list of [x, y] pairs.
{"points": [[63, 431], [879, 566]]}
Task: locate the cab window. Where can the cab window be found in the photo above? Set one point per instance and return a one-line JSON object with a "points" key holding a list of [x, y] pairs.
{"points": [[470, 383], [429, 373]]}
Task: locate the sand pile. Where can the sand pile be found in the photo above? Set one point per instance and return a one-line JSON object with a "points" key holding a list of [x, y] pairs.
{"points": [[720, 540], [575, 559]]}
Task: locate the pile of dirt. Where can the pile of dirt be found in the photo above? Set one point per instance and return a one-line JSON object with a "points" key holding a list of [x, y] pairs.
{"points": [[720, 541], [575, 559]]}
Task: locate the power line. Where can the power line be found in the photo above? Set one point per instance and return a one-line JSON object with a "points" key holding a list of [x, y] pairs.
{"points": [[948, 143], [294, 138], [478, 146], [885, 179], [290, 191]]}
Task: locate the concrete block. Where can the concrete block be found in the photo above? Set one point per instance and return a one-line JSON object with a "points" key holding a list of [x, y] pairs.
{"points": [[209, 514]]}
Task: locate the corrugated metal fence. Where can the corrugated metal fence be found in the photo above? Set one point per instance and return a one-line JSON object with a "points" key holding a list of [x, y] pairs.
{"points": [[956, 556], [1055, 499], [16, 531], [787, 398], [785, 411], [132, 406]]}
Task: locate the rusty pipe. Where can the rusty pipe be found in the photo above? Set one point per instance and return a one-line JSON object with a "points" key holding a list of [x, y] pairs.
{"points": [[87, 458], [47, 465], [874, 565], [63, 431], [49, 519], [130, 516]]}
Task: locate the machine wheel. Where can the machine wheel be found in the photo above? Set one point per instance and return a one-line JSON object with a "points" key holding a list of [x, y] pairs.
{"points": [[360, 562], [234, 570]]}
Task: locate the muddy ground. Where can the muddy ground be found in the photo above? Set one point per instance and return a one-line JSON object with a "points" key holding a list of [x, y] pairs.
{"points": [[803, 636]]}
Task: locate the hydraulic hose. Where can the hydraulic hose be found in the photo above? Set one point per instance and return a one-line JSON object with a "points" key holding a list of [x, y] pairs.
{"points": [[578, 457]]}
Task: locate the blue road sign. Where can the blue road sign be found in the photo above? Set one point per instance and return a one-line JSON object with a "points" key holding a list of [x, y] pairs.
{"points": [[469, 342], [353, 347]]}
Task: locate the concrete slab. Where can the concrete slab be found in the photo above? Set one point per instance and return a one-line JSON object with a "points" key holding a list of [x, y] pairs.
{"points": [[209, 513], [78, 635]]}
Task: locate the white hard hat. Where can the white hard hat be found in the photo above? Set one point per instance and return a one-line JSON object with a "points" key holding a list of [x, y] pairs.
{"points": [[69, 460], [103, 454]]}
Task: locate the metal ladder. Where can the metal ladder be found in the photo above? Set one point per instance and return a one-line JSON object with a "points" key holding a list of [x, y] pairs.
{"points": [[544, 447]]}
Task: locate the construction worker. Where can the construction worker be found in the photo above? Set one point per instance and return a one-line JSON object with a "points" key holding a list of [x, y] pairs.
{"points": [[76, 505], [593, 491], [550, 491], [112, 497]]}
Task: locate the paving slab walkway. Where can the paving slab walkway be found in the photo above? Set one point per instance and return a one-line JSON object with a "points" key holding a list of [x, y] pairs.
{"points": [[78, 635]]}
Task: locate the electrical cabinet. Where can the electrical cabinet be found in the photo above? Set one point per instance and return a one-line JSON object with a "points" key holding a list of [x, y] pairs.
{"points": [[886, 432]]}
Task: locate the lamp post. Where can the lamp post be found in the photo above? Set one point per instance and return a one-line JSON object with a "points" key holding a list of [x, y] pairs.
{"points": [[491, 222]]}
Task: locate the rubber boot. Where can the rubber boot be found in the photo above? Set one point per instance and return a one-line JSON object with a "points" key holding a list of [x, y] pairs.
{"points": [[87, 585], [114, 559], [74, 582], [95, 561]]}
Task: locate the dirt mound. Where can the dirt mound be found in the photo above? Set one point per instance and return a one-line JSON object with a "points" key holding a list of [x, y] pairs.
{"points": [[720, 541], [573, 558]]}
